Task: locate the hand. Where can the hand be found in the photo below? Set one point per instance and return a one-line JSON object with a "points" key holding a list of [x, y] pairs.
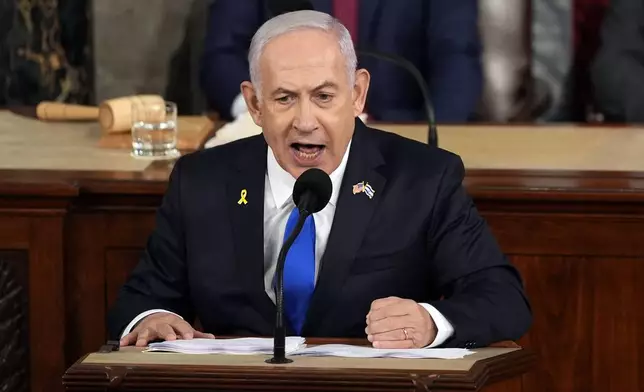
{"points": [[389, 319], [165, 326]]}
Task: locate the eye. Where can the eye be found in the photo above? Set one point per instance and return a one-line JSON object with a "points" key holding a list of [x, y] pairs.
{"points": [[324, 97], [284, 99]]}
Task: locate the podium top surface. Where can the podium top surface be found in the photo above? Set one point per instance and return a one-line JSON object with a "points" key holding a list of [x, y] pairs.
{"points": [[132, 369], [135, 356]]}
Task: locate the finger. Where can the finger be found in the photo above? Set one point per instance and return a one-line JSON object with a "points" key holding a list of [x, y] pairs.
{"points": [[388, 324], [184, 329], [145, 336], [393, 310], [397, 334], [203, 335], [393, 344], [382, 302], [128, 339], [166, 332]]}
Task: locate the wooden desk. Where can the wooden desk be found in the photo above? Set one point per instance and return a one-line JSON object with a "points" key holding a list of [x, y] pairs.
{"points": [[566, 204], [493, 369]]}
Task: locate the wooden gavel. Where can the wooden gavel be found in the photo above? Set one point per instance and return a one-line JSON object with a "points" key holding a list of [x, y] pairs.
{"points": [[114, 115]]}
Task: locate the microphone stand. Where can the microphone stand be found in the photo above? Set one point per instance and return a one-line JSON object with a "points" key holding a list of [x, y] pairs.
{"points": [[432, 136], [279, 344]]}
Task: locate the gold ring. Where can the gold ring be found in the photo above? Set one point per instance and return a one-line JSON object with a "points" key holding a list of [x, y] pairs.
{"points": [[406, 334]]}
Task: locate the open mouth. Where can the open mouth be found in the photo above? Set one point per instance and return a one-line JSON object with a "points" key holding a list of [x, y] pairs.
{"points": [[307, 152]]}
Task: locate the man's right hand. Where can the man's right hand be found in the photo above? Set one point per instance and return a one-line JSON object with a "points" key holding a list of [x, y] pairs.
{"points": [[164, 326]]}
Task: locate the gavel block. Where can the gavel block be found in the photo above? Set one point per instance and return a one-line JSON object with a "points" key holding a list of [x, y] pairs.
{"points": [[114, 115]]}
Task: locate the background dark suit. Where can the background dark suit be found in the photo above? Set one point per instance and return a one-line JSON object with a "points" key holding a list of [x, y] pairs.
{"points": [[420, 237], [440, 37], [618, 70]]}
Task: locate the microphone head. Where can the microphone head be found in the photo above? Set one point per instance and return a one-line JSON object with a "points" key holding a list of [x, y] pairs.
{"points": [[278, 7], [312, 190]]}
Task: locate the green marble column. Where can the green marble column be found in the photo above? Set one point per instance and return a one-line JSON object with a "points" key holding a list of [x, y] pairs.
{"points": [[46, 53]]}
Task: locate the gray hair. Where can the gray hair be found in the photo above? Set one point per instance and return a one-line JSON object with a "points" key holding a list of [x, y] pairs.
{"points": [[300, 20]]}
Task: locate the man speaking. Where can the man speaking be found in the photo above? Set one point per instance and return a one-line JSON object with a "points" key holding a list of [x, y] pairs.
{"points": [[398, 255]]}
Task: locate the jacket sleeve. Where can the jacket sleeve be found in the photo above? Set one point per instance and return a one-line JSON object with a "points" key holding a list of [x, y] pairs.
{"points": [[224, 66], [483, 295], [159, 281], [618, 69]]}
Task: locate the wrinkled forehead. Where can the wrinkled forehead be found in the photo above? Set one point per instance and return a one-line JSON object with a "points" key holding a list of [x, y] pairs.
{"points": [[303, 57]]}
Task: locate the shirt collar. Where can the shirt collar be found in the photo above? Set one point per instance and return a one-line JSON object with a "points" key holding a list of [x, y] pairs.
{"points": [[282, 182]]}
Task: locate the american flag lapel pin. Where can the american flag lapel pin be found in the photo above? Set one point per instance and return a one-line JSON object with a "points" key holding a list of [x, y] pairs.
{"points": [[365, 188], [358, 188]]}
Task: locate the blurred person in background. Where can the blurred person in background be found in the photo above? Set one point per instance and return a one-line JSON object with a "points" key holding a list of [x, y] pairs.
{"points": [[439, 37], [618, 69]]}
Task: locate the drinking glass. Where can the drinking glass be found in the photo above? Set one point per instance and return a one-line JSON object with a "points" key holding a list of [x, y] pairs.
{"points": [[154, 129]]}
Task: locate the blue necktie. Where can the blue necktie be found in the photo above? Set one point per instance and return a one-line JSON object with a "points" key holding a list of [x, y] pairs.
{"points": [[299, 271]]}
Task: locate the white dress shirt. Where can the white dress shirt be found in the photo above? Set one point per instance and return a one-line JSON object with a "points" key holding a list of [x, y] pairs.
{"points": [[278, 205]]}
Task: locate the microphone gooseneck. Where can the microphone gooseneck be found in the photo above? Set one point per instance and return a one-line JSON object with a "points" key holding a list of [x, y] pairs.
{"points": [[432, 137], [279, 343], [311, 193]]}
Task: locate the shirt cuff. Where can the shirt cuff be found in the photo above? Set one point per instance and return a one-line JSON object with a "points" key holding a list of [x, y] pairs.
{"points": [[141, 316], [239, 106], [444, 329]]}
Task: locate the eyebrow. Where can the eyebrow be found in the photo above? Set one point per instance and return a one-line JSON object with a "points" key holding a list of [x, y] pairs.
{"points": [[321, 86]]}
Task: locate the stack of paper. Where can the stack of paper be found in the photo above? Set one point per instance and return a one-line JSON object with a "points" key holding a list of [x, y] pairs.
{"points": [[227, 346], [297, 346], [347, 351]]}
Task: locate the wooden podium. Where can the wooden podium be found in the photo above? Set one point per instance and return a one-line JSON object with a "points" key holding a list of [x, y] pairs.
{"points": [[492, 369]]}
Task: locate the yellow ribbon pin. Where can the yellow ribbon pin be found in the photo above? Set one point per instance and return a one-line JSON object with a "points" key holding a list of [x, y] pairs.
{"points": [[243, 200]]}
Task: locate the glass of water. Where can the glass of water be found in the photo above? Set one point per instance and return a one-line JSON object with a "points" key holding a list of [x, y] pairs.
{"points": [[154, 129]]}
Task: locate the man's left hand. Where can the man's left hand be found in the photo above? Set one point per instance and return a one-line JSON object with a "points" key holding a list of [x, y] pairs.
{"points": [[399, 323]]}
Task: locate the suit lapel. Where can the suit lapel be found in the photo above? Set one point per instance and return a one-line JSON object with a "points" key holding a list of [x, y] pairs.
{"points": [[247, 221], [350, 224]]}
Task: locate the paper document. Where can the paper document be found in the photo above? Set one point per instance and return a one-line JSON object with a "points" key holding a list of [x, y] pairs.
{"points": [[348, 351], [226, 346], [297, 346]]}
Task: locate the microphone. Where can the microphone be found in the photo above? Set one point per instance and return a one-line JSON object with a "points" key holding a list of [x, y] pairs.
{"points": [[278, 7], [311, 193]]}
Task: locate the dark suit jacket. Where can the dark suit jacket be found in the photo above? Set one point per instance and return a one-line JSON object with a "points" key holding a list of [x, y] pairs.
{"points": [[440, 37], [420, 237], [618, 69]]}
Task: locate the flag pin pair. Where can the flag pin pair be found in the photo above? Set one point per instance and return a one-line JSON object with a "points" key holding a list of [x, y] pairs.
{"points": [[364, 187]]}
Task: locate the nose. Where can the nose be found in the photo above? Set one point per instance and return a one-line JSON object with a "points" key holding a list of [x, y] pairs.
{"points": [[305, 120]]}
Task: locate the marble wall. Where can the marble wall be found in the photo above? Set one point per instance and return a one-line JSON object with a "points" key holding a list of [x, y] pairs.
{"points": [[149, 46]]}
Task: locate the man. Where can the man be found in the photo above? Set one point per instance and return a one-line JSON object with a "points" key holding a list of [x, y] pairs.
{"points": [[618, 69], [398, 234], [439, 37]]}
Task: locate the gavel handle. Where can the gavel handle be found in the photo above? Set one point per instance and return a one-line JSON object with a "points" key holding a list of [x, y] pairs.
{"points": [[55, 111]]}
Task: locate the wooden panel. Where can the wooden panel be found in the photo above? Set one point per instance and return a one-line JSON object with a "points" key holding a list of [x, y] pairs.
{"points": [[14, 321], [568, 234], [586, 322], [118, 265], [85, 284], [14, 232], [511, 385], [618, 320], [46, 303], [129, 229]]}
